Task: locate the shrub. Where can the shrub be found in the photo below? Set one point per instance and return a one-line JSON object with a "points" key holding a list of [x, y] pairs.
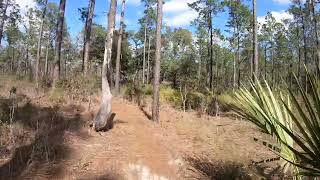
{"points": [[195, 100], [134, 93], [147, 89], [57, 96], [168, 94]]}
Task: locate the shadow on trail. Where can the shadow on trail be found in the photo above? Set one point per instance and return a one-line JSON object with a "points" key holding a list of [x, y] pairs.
{"points": [[145, 112], [205, 168], [40, 149]]}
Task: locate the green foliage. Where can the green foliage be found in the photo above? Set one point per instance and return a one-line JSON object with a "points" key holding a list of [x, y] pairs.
{"points": [[195, 99], [296, 127], [168, 94], [134, 92], [147, 89]]}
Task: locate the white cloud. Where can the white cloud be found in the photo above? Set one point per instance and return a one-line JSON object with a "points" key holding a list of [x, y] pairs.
{"points": [[282, 1], [178, 13], [176, 6], [286, 2], [181, 19], [278, 15]]}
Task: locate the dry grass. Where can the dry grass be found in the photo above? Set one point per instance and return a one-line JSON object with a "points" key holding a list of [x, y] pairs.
{"points": [[46, 128]]}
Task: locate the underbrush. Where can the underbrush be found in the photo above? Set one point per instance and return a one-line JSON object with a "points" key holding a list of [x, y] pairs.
{"points": [[204, 102], [75, 88]]}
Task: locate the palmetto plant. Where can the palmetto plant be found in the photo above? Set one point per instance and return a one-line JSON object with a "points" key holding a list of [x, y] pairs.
{"points": [[294, 124]]}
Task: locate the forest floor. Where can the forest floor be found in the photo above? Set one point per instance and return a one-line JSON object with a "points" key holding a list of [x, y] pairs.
{"points": [[54, 141]]}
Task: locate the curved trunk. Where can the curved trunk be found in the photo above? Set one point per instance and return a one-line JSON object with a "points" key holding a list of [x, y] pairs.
{"points": [[117, 86], [104, 117]]}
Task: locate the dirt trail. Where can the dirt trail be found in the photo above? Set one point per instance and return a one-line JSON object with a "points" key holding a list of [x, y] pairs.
{"points": [[55, 142], [135, 148]]}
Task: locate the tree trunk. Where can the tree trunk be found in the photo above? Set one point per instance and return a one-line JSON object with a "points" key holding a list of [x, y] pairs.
{"points": [[144, 54], [117, 86], [211, 51], [304, 44], [88, 36], [199, 64], [272, 69], [46, 59], [57, 53], [315, 28], [3, 18], [39, 44], [238, 54], [156, 76], [255, 41], [148, 61], [265, 62], [299, 53], [12, 61], [104, 116]]}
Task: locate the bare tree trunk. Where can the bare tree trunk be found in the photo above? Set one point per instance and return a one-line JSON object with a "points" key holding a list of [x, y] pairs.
{"points": [[234, 60], [39, 44], [156, 79], [299, 53], [117, 86], [3, 18], [199, 65], [272, 70], [148, 61], [144, 55], [211, 51], [234, 72], [304, 43], [46, 61], [255, 41], [315, 28], [88, 36], [265, 62], [12, 61], [57, 53], [104, 116]]}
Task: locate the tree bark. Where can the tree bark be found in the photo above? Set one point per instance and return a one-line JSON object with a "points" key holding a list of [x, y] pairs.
{"points": [[304, 80], [3, 18], [156, 79], [265, 62], [57, 53], [211, 51], [104, 116], [46, 59], [39, 44], [255, 41], [299, 53], [144, 55], [148, 61], [12, 60], [315, 28], [88, 36], [117, 86]]}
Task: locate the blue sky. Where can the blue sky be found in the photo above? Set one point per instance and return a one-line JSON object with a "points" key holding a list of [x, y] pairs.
{"points": [[176, 12]]}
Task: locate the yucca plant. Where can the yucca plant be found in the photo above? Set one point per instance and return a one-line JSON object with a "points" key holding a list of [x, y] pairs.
{"points": [[295, 126]]}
